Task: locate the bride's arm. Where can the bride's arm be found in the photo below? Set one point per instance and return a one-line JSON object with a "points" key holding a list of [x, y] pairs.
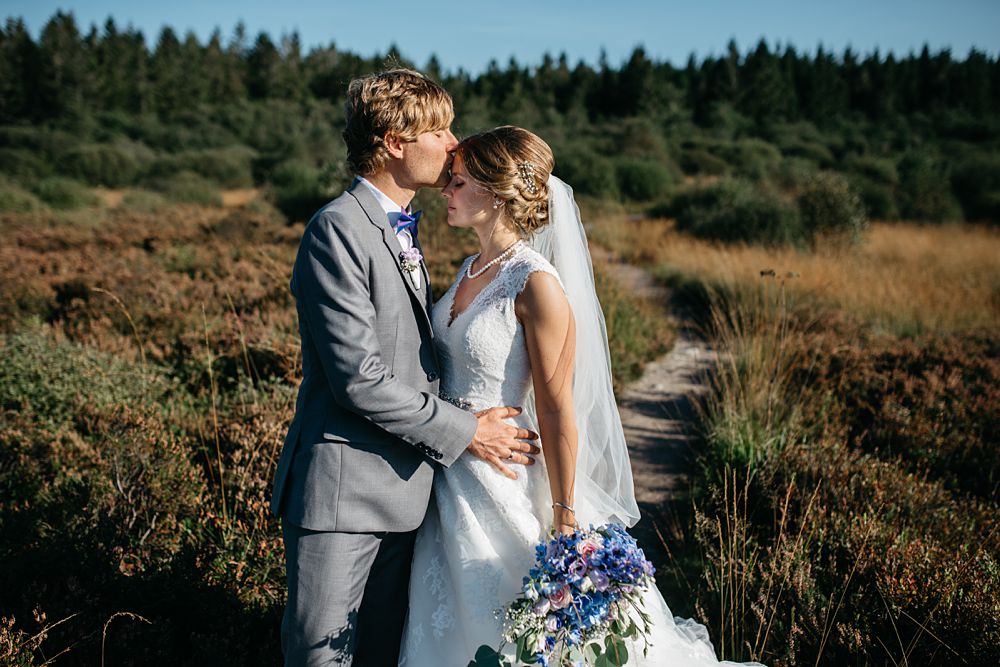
{"points": [[550, 335]]}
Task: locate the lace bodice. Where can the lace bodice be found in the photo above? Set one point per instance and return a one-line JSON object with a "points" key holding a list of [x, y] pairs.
{"points": [[482, 353]]}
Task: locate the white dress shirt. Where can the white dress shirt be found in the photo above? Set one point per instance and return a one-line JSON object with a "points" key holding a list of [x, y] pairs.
{"points": [[392, 211]]}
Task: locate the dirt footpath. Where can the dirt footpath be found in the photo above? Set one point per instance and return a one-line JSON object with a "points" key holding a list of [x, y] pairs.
{"points": [[658, 414]]}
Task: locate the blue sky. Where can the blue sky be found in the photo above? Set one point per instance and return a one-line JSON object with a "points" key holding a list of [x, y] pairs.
{"points": [[470, 34]]}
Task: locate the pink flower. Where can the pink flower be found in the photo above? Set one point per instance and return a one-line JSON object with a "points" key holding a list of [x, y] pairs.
{"points": [[587, 546], [561, 598]]}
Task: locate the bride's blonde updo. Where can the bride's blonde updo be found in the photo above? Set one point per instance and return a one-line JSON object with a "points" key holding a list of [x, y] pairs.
{"points": [[514, 165]]}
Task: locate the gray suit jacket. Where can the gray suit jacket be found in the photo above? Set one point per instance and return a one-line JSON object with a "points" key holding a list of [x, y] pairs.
{"points": [[368, 424]]}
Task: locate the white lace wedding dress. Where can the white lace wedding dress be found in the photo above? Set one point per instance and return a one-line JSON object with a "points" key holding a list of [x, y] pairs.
{"points": [[478, 539]]}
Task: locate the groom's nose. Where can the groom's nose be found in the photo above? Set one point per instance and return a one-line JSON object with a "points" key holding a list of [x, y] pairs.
{"points": [[451, 140]]}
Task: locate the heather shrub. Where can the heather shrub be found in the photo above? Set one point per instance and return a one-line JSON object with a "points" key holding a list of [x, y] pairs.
{"points": [[54, 380], [929, 404], [738, 211], [880, 511]]}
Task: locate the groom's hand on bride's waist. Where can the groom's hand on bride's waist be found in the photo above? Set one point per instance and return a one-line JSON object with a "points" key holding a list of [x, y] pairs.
{"points": [[498, 442]]}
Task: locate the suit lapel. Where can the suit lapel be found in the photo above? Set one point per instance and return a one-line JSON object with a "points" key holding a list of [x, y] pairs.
{"points": [[428, 297], [376, 215]]}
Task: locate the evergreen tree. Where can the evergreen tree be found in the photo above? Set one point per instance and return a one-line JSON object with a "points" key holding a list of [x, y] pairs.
{"points": [[263, 68], [20, 66], [62, 73], [167, 74], [764, 93]]}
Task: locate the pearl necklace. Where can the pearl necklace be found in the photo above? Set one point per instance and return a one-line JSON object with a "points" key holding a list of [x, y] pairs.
{"points": [[499, 258]]}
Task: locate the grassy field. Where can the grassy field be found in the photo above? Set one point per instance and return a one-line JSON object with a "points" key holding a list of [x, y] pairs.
{"points": [[847, 499], [148, 367]]}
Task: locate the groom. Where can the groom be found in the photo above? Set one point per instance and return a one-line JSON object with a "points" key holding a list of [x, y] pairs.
{"points": [[354, 477]]}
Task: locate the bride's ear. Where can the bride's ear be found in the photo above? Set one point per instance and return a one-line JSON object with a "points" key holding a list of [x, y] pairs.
{"points": [[393, 144]]}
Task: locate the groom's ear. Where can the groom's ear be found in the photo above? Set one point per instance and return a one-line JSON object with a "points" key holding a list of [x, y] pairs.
{"points": [[393, 144]]}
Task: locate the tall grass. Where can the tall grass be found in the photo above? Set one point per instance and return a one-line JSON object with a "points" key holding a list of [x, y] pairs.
{"points": [[903, 279], [847, 497], [749, 418]]}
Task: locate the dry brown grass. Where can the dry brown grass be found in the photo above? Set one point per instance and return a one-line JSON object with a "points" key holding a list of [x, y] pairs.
{"points": [[903, 278]]}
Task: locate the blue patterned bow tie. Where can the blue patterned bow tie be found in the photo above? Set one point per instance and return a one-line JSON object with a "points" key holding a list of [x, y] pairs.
{"points": [[408, 221]]}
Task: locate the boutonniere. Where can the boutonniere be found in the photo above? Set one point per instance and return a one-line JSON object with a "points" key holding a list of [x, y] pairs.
{"points": [[410, 259]]}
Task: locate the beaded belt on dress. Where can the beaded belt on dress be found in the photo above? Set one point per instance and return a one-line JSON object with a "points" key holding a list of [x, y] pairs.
{"points": [[457, 402]]}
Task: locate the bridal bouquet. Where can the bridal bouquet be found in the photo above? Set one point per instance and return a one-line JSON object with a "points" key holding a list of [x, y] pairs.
{"points": [[576, 603]]}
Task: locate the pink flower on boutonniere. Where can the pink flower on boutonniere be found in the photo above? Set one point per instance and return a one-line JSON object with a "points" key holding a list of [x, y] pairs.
{"points": [[410, 259]]}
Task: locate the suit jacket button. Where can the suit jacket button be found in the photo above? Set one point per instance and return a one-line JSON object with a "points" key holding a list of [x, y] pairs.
{"points": [[432, 376]]}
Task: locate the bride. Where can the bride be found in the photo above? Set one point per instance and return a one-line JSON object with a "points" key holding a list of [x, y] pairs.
{"points": [[521, 325]]}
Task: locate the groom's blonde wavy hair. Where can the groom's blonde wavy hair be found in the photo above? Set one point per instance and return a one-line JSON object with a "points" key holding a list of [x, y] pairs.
{"points": [[398, 101]]}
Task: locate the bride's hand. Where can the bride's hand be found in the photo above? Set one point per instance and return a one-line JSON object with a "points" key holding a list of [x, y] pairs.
{"points": [[498, 442]]}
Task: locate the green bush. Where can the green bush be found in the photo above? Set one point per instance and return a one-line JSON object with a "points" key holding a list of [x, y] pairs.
{"points": [[114, 165], [642, 179], [830, 210], [587, 171], [53, 381], [878, 198], [738, 211], [810, 150], [752, 158], [699, 161], [976, 183], [22, 164], [640, 137], [145, 201], [879, 170], [15, 199], [65, 193], [298, 190], [230, 167], [189, 188], [925, 189], [794, 173]]}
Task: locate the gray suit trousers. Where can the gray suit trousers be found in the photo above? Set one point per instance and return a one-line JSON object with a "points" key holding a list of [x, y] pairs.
{"points": [[347, 597]]}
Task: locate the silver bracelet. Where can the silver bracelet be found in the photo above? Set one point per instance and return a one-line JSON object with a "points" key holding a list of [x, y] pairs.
{"points": [[564, 506]]}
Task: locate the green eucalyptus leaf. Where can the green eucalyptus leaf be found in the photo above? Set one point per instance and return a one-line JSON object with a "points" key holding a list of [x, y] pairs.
{"points": [[487, 656], [594, 649]]}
